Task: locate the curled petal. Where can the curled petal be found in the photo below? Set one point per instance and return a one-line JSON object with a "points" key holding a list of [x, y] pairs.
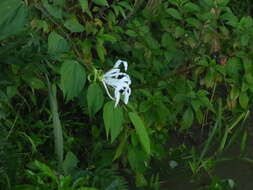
{"points": [[119, 81], [112, 73], [126, 94], [119, 62]]}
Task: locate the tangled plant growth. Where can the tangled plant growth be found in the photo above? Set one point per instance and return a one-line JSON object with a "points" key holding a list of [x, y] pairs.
{"points": [[190, 64]]}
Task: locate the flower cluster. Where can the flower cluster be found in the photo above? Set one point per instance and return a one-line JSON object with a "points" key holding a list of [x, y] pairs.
{"points": [[119, 81]]}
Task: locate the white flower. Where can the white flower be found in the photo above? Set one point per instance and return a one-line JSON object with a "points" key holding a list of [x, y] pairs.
{"points": [[119, 81]]}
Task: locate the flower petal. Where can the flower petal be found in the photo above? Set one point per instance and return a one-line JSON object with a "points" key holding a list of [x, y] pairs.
{"points": [[107, 91], [119, 62], [117, 97], [126, 94], [119, 81]]}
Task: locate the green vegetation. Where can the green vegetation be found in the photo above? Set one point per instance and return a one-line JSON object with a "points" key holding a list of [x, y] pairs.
{"points": [[66, 121]]}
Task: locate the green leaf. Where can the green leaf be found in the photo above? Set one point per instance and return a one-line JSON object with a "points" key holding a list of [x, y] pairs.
{"points": [[244, 141], [84, 4], [233, 67], [73, 78], [247, 64], [74, 26], [223, 3], [101, 52], [140, 130], [60, 3], [95, 98], [137, 159], [46, 170], [168, 41], [192, 7], [113, 120], [57, 44], [35, 83], [174, 13], [108, 37], [57, 128], [11, 91], [245, 38], [85, 7], [13, 17], [199, 116], [179, 32], [234, 93], [187, 119], [123, 143], [69, 163], [193, 22], [131, 33], [101, 2], [53, 10], [244, 100]]}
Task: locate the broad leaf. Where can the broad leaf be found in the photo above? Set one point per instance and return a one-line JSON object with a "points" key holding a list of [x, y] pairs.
{"points": [[13, 16], [140, 130], [101, 2], [85, 7], [174, 13], [101, 52], [137, 159], [73, 78], [69, 163], [74, 26], [113, 120], [244, 100], [57, 44], [52, 9], [46, 170], [95, 98], [187, 119]]}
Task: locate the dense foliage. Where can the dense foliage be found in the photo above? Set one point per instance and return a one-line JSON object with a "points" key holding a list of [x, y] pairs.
{"points": [[190, 64]]}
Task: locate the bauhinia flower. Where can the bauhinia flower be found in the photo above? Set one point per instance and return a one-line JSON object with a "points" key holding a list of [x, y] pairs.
{"points": [[119, 81]]}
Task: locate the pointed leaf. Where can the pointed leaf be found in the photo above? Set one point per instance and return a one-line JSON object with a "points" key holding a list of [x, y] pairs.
{"points": [[74, 26], [101, 2], [174, 13], [84, 4], [52, 9], [95, 99], [57, 44], [244, 100], [13, 16], [140, 130], [46, 170], [113, 120], [187, 119], [69, 163], [73, 78]]}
